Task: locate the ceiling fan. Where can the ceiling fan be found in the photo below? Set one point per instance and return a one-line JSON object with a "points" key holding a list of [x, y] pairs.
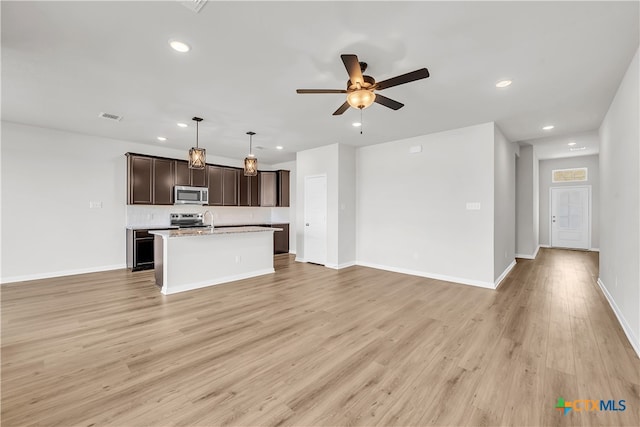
{"points": [[360, 88]]}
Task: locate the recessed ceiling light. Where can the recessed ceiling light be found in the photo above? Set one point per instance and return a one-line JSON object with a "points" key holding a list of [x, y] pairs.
{"points": [[179, 46], [549, 127], [571, 144], [503, 83], [162, 138], [577, 148], [182, 125], [279, 147], [356, 124]]}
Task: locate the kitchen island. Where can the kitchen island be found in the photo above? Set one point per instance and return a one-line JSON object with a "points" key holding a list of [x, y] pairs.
{"points": [[189, 259]]}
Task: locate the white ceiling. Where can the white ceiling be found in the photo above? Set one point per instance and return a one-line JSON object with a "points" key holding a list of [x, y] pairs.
{"points": [[65, 62]]}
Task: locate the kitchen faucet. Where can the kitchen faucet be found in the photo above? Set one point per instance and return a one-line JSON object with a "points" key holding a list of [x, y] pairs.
{"points": [[204, 217]]}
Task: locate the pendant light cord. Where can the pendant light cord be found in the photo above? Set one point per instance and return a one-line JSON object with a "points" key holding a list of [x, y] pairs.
{"points": [[197, 132]]}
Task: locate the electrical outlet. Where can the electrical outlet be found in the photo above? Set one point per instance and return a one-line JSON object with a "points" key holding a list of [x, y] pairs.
{"points": [[95, 205], [473, 206]]}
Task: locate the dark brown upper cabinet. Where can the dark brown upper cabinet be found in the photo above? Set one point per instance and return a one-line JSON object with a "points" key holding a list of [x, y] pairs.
{"points": [[139, 180], [163, 176], [150, 180], [249, 190], [214, 174], [283, 188], [190, 177], [268, 188], [230, 184]]}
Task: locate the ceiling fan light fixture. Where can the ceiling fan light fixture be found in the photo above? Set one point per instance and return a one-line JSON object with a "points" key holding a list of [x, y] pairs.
{"points": [[250, 162], [197, 155], [361, 98]]}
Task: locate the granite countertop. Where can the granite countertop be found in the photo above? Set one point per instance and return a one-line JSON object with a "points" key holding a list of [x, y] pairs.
{"points": [[152, 227], [189, 232]]}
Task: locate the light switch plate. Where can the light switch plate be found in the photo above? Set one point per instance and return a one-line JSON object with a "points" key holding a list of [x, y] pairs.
{"points": [[473, 206], [95, 205]]}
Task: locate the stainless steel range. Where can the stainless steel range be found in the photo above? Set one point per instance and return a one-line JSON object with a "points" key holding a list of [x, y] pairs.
{"points": [[188, 220]]}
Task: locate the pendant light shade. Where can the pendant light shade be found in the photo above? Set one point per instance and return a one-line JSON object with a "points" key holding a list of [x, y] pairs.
{"points": [[197, 155], [250, 162]]}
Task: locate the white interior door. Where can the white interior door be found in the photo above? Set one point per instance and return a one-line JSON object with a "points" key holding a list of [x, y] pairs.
{"points": [[570, 224], [315, 219]]}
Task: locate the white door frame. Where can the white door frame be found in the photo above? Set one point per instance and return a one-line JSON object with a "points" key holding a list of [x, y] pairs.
{"points": [[588, 187]]}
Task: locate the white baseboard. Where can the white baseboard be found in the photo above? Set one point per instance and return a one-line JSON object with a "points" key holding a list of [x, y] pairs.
{"points": [[340, 266], [445, 278], [544, 246], [298, 259], [62, 273], [292, 252], [528, 256], [633, 340], [504, 273], [595, 249]]}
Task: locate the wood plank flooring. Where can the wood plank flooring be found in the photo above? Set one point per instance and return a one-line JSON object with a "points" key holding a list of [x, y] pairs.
{"points": [[311, 346]]}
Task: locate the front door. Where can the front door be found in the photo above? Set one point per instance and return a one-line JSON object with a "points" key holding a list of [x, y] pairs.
{"points": [[570, 223]]}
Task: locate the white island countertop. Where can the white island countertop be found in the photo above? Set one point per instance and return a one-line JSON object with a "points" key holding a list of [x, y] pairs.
{"points": [[189, 232]]}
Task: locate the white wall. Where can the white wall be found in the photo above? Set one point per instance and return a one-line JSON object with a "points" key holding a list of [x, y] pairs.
{"points": [[347, 206], [319, 161], [337, 162], [504, 219], [593, 175], [620, 204], [411, 208], [48, 179], [527, 208]]}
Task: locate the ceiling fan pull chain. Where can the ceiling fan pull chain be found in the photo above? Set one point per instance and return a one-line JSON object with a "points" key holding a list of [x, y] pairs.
{"points": [[361, 122]]}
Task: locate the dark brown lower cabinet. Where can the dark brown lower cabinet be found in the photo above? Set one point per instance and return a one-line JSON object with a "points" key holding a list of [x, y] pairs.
{"points": [[281, 239], [139, 250]]}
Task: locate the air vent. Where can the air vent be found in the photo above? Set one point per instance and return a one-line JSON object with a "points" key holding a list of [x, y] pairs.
{"points": [[193, 5], [110, 116]]}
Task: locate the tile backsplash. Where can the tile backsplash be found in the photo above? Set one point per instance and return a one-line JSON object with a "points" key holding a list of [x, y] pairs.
{"points": [[158, 216]]}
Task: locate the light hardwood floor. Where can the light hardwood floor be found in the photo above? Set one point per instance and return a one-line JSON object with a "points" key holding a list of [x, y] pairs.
{"points": [[314, 346]]}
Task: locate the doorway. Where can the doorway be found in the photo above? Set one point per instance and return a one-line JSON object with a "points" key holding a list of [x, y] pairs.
{"points": [[315, 219], [570, 219]]}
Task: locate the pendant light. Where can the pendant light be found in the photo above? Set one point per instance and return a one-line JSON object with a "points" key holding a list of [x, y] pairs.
{"points": [[197, 155], [250, 162]]}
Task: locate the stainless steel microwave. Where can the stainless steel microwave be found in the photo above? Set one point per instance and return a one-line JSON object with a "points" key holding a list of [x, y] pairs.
{"points": [[183, 195]]}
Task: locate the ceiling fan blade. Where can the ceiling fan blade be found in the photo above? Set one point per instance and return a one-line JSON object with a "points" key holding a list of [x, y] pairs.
{"points": [[422, 73], [353, 68], [344, 107], [321, 91], [388, 102]]}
